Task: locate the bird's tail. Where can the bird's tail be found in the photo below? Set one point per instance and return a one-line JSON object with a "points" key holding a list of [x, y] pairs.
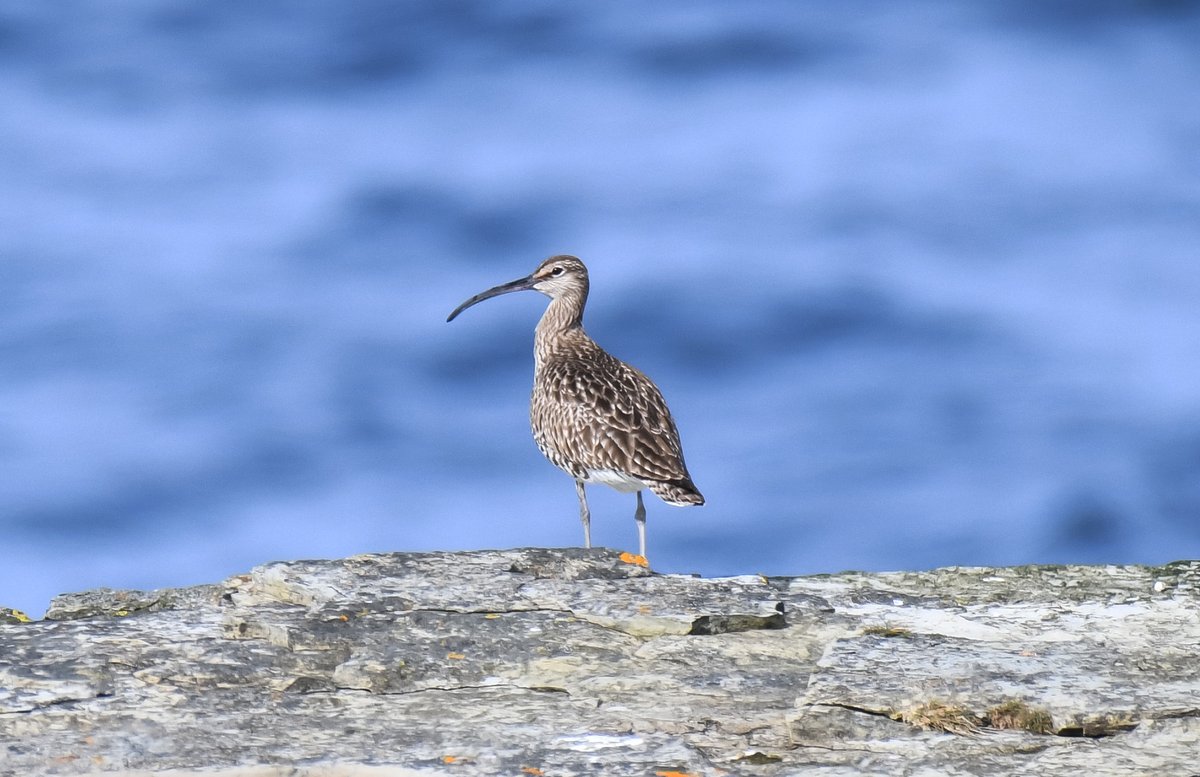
{"points": [[680, 493]]}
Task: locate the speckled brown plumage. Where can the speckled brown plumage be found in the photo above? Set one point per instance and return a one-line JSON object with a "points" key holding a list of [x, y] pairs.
{"points": [[593, 416], [591, 411]]}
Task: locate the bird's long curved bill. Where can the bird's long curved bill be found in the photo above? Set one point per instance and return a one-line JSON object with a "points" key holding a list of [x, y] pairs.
{"points": [[521, 284]]}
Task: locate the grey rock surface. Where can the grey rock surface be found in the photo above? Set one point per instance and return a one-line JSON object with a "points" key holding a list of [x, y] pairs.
{"points": [[563, 662]]}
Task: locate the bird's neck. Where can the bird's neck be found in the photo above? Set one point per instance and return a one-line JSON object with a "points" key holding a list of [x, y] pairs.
{"points": [[562, 319]]}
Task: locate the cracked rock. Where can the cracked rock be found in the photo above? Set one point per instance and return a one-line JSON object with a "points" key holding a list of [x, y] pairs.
{"points": [[575, 662]]}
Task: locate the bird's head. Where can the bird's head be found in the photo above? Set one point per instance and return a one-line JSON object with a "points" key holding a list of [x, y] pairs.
{"points": [[557, 277]]}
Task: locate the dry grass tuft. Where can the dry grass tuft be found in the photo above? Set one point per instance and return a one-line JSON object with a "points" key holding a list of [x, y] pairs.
{"points": [[940, 716], [1016, 714]]}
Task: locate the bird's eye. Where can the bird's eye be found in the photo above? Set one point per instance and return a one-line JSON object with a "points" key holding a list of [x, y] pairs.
{"points": [[557, 271]]}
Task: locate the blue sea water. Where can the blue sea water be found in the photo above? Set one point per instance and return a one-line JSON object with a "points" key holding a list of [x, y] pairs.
{"points": [[920, 280]]}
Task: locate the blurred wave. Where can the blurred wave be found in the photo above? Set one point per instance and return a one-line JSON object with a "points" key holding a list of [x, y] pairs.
{"points": [[918, 280]]}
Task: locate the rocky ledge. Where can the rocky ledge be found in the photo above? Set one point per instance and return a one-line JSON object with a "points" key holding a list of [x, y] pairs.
{"points": [[565, 662]]}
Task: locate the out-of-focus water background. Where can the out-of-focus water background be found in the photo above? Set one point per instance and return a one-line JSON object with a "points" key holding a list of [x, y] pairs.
{"points": [[920, 280]]}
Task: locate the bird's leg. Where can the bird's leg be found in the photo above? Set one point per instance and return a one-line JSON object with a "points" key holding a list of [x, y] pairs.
{"points": [[639, 515], [584, 515]]}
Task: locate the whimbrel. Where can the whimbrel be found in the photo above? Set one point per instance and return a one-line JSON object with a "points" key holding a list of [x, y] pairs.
{"points": [[593, 416]]}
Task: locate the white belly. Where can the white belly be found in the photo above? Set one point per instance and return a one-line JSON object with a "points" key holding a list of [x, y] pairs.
{"points": [[622, 482]]}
